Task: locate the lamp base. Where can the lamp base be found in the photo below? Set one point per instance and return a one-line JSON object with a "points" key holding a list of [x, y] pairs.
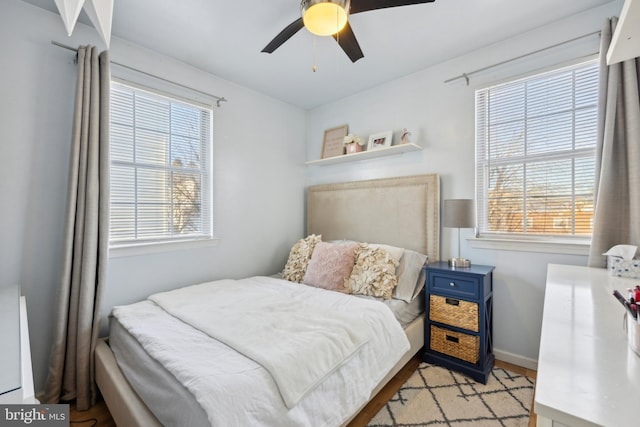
{"points": [[459, 262]]}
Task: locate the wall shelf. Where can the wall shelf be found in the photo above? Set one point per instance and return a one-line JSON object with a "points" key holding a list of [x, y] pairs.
{"points": [[364, 155]]}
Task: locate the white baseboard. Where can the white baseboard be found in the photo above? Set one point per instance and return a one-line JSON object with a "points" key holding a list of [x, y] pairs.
{"points": [[516, 359]]}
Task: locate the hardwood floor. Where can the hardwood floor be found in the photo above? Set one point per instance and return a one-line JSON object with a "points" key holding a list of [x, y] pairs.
{"points": [[99, 416], [381, 399], [527, 373]]}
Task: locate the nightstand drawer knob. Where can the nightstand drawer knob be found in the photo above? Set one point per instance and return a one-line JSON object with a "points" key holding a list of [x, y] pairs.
{"points": [[452, 284]]}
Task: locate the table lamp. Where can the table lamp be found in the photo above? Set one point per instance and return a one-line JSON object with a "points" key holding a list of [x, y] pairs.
{"points": [[458, 213]]}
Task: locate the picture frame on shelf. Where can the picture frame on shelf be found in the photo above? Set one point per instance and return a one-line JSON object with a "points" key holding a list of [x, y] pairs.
{"points": [[380, 140], [332, 143]]}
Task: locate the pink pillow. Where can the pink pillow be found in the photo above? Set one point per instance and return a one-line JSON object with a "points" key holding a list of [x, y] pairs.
{"points": [[330, 266]]}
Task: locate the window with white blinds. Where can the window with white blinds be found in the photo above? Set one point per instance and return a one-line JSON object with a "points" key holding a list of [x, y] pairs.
{"points": [[160, 167], [535, 154]]}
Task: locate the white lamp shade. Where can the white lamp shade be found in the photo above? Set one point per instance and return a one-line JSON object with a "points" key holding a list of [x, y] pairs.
{"points": [[458, 213]]}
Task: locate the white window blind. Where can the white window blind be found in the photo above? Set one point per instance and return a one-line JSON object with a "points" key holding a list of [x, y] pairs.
{"points": [[535, 153], [160, 167]]}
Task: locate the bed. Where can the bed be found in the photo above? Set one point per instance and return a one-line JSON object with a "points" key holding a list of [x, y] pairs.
{"points": [[400, 212]]}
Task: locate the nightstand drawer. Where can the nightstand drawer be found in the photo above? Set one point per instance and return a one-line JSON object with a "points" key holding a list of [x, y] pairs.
{"points": [[455, 285], [454, 312], [461, 346]]}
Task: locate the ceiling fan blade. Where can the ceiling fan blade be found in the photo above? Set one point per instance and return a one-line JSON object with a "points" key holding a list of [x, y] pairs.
{"points": [[347, 41], [358, 6], [284, 35]]}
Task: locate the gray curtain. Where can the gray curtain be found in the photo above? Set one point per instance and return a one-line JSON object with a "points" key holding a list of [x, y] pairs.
{"points": [[617, 210], [85, 249]]}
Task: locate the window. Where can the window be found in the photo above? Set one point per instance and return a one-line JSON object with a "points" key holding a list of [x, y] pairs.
{"points": [[160, 167], [535, 154]]}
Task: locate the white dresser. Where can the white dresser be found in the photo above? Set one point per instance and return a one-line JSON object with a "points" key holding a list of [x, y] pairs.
{"points": [[587, 374], [16, 375]]}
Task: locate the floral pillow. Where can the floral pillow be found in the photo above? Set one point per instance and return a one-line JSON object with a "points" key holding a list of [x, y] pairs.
{"points": [[330, 266], [373, 273], [299, 258]]}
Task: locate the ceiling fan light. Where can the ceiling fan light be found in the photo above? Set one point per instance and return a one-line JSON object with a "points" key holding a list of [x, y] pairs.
{"points": [[324, 18]]}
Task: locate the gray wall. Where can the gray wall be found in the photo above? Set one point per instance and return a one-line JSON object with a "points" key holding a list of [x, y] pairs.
{"points": [[258, 160], [441, 118]]}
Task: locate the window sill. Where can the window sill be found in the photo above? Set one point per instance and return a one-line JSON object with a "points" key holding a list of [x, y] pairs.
{"points": [[552, 246], [159, 247]]}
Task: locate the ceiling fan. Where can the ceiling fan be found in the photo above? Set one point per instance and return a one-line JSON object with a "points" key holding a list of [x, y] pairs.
{"points": [[330, 18]]}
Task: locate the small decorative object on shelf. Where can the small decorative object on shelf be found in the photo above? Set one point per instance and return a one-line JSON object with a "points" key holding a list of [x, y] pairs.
{"points": [[353, 143], [404, 138], [332, 143], [380, 140]]}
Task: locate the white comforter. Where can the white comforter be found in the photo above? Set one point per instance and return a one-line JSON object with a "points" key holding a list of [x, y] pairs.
{"points": [[236, 390], [251, 315]]}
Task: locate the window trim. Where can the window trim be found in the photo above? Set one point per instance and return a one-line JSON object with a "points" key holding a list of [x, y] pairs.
{"points": [[545, 243], [164, 92], [121, 251], [180, 94], [562, 246]]}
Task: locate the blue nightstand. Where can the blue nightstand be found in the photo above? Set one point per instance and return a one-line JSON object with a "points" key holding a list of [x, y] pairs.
{"points": [[459, 319]]}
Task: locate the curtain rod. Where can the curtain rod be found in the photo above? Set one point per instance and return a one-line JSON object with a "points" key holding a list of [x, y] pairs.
{"points": [[218, 99], [466, 75]]}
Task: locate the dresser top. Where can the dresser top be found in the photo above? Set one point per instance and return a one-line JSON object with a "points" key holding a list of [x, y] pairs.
{"points": [[587, 374]]}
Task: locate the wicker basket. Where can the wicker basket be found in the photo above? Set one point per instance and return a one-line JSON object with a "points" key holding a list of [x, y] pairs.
{"points": [[454, 312], [462, 346]]}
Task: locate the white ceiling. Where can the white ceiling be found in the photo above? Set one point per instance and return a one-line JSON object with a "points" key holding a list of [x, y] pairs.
{"points": [[225, 38]]}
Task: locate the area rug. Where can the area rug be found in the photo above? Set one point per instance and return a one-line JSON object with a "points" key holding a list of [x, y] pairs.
{"points": [[436, 396]]}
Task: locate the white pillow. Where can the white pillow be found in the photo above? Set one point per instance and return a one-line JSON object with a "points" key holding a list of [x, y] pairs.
{"points": [[410, 275], [394, 251]]}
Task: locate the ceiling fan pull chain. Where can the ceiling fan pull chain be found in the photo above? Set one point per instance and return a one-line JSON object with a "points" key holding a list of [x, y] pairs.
{"points": [[315, 51]]}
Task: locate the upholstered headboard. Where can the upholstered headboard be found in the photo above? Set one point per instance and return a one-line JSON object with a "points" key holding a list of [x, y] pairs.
{"points": [[403, 212]]}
